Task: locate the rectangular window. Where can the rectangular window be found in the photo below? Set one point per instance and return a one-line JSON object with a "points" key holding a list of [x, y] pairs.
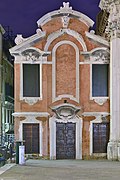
{"points": [[100, 80], [31, 80]]}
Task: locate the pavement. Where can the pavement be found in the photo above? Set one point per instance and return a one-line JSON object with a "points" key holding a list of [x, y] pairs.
{"points": [[62, 170]]}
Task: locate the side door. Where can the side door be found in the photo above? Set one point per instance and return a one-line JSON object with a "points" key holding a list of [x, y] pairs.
{"points": [[31, 137]]}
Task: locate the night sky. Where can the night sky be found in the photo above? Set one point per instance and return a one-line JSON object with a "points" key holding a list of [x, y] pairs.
{"points": [[22, 15]]}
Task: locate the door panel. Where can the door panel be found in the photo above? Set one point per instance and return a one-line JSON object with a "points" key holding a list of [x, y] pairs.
{"points": [[31, 137], [100, 137], [65, 140]]}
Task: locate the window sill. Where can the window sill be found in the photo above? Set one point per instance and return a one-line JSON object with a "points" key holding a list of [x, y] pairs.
{"points": [[31, 100], [99, 100]]}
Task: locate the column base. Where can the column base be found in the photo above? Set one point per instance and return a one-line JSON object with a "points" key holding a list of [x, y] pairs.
{"points": [[113, 151]]}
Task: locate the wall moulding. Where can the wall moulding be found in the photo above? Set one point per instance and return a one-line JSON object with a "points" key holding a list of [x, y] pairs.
{"points": [[60, 32], [30, 114], [59, 97]]}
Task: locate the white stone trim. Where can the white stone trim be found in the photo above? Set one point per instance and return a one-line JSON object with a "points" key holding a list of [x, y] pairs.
{"points": [[36, 114], [32, 120], [19, 60], [99, 100], [31, 55], [52, 126], [30, 100], [97, 38], [95, 113], [113, 145], [62, 12], [54, 97], [26, 43], [60, 32]]}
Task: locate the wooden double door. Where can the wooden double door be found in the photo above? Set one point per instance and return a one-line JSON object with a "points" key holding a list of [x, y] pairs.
{"points": [[31, 137], [65, 140]]}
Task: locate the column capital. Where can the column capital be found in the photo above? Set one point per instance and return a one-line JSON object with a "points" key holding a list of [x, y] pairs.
{"points": [[113, 8], [105, 4]]}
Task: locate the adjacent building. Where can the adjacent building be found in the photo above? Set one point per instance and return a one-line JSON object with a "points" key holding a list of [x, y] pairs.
{"points": [[66, 97], [6, 85]]}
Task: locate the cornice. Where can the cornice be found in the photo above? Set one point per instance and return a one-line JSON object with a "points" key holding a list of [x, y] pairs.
{"points": [[97, 39], [66, 12], [23, 43], [25, 114]]}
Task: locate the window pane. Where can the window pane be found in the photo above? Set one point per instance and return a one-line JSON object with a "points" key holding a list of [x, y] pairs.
{"points": [[99, 80], [31, 80]]}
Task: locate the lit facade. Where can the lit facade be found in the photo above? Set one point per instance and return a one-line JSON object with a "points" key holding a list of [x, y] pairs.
{"points": [[62, 88]]}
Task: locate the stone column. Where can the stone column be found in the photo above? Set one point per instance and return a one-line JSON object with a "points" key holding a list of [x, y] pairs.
{"points": [[113, 34], [113, 145]]}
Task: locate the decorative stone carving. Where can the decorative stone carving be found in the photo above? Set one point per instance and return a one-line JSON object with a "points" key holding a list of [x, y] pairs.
{"points": [[66, 6], [105, 4], [31, 101], [19, 39], [65, 21], [100, 56], [39, 31], [100, 101], [97, 55], [113, 8], [33, 54], [65, 111]]}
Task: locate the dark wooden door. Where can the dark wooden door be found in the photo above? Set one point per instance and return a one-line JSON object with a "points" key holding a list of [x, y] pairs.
{"points": [[100, 137], [31, 137], [65, 140]]}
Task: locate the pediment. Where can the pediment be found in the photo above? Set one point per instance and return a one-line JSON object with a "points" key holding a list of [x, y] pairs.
{"points": [[65, 13]]}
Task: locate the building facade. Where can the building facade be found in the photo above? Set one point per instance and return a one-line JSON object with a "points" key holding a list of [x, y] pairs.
{"points": [[62, 88]]}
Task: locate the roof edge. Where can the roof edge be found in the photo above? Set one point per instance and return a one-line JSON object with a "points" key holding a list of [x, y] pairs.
{"points": [[66, 10]]}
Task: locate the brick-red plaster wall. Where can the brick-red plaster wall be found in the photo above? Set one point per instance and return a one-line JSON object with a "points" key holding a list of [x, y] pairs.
{"points": [[65, 78]]}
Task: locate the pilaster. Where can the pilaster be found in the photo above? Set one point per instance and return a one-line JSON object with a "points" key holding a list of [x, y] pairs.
{"points": [[113, 34]]}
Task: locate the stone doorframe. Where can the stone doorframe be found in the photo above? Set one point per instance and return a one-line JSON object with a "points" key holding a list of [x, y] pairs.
{"points": [[52, 125], [65, 113]]}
